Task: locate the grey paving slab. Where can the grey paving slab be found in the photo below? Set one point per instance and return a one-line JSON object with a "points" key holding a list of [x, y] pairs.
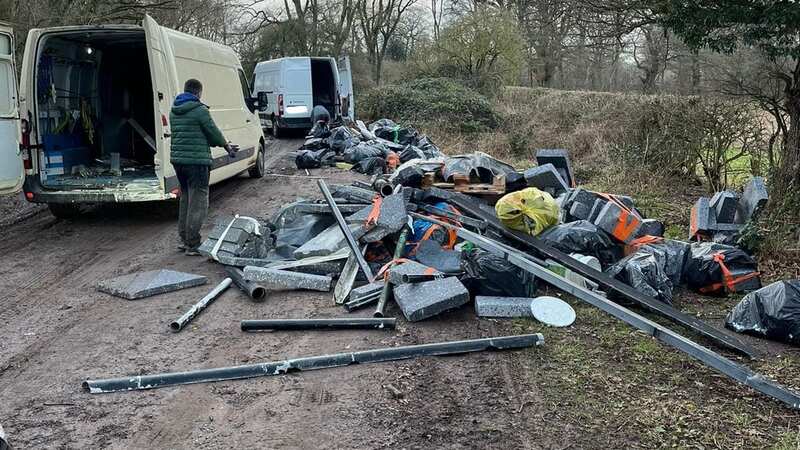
{"points": [[277, 279], [145, 284], [505, 307], [419, 301]]}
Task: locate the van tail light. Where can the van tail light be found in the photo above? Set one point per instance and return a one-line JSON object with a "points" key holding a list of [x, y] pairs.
{"points": [[164, 120], [280, 105]]}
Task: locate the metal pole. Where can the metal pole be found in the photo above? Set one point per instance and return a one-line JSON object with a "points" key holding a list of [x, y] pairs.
{"points": [[319, 324], [351, 241], [143, 382], [178, 324], [406, 278], [708, 357], [387, 287], [362, 302], [253, 290]]}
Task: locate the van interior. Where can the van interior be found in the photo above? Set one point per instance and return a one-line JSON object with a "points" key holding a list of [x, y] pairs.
{"points": [[323, 84], [95, 110]]}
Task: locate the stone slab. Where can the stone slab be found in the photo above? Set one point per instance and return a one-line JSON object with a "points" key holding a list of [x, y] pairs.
{"points": [[725, 204], [559, 158], [580, 211], [145, 284], [506, 307], [609, 219], [329, 241], [651, 227], [365, 291], [701, 219], [754, 198], [419, 301], [546, 178], [276, 279]]}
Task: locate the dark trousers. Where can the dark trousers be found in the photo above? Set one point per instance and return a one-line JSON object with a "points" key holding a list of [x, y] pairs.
{"points": [[194, 201]]}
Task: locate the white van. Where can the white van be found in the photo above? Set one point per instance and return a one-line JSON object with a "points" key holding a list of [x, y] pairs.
{"points": [[91, 122], [291, 87]]}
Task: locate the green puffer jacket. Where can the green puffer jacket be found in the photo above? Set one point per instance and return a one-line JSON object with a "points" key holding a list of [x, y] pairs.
{"points": [[193, 134]]}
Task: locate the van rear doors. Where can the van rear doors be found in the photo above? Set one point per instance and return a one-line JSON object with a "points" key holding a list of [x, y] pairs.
{"points": [[11, 169], [297, 91]]}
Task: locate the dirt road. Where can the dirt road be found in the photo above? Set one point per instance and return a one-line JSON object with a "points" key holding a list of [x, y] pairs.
{"points": [[56, 330]]}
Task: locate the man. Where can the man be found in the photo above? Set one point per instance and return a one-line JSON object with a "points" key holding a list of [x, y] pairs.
{"points": [[193, 134]]}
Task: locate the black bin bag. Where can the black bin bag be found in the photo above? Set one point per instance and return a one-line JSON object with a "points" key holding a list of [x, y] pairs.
{"points": [[491, 275], [772, 312], [585, 238]]}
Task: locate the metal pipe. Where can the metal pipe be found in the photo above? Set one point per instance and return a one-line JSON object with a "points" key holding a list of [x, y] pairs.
{"points": [[253, 290], [416, 278], [387, 287], [319, 324], [362, 185], [351, 241], [383, 187], [363, 302], [178, 324], [708, 357], [143, 382]]}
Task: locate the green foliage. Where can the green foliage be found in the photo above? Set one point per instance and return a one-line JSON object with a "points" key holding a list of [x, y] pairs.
{"points": [[483, 49], [439, 100], [724, 25]]}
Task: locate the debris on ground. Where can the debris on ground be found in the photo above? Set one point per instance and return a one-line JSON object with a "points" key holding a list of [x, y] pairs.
{"points": [[772, 312], [146, 284], [431, 233]]}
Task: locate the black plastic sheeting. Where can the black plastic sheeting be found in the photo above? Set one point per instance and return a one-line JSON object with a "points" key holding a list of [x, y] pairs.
{"points": [[295, 229], [703, 271], [375, 165], [585, 238], [772, 312], [365, 150], [477, 166], [644, 271], [491, 275], [341, 139]]}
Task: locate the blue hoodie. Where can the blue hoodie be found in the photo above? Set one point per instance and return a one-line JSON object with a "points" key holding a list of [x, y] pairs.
{"points": [[185, 98]]}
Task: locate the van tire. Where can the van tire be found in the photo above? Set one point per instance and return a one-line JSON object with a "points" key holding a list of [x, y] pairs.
{"points": [[260, 168], [64, 210]]}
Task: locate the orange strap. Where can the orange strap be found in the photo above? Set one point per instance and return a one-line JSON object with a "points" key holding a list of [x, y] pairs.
{"points": [[623, 230], [638, 243], [729, 282], [384, 272], [375, 212]]}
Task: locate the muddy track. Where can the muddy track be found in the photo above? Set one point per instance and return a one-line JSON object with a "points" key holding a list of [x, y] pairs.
{"points": [[57, 330]]}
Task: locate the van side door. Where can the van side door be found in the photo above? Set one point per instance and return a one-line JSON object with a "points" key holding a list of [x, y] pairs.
{"points": [[12, 173]]}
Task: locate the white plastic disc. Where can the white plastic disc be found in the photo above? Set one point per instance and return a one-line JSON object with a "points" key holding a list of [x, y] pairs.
{"points": [[552, 311]]}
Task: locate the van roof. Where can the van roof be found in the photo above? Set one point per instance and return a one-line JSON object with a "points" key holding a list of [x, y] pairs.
{"points": [[261, 64], [122, 27]]}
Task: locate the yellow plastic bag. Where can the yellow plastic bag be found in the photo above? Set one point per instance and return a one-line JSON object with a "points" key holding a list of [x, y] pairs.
{"points": [[529, 210]]}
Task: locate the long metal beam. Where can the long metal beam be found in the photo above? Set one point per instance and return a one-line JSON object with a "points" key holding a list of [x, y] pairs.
{"points": [[347, 323], [708, 357], [144, 382], [351, 241], [469, 206]]}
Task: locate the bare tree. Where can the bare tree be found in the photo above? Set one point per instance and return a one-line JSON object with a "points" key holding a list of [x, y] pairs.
{"points": [[378, 20]]}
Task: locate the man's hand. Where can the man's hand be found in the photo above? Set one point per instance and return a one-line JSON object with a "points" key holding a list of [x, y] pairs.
{"points": [[231, 149]]}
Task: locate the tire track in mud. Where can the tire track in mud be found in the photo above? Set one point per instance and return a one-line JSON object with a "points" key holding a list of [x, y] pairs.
{"points": [[62, 272]]}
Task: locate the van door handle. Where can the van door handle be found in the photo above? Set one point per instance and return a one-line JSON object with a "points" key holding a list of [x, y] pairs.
{"points": [[248, 120], [166, 135]]}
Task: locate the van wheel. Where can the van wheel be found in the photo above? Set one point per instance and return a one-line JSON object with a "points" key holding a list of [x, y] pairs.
{"points": [[260, 168], [277, 132], [64, 210]]}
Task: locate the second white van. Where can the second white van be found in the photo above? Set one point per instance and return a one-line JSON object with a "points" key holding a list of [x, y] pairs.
{"points": [[291, 87]]}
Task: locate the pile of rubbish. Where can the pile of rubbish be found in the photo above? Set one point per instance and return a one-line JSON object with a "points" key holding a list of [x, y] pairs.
{"points": [[430, 234], [375, 150]]}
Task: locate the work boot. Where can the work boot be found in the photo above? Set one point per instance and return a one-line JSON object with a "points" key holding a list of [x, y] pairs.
{"points": [[192, 251], [182, 247]]}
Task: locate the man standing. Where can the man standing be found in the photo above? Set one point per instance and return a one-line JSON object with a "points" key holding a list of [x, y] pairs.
{"points": [[193, 134]]}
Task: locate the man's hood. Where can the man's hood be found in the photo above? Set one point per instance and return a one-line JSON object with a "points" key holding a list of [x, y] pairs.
{"points": [[185, 102]]}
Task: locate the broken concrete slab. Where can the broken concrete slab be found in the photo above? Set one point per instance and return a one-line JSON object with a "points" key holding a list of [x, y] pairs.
{"points": [[329, 241], [559, 158], [352, 194], [506, 307], [579, 211], [754, 198], [391, 218], [618, 223], [725, 204], [409, 268], [276, 279], [367, 290], [431, 253], [419, 301], [546, 178], [145, 284]]}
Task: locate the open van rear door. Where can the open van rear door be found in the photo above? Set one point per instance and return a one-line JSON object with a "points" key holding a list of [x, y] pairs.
{"points": [[346, 88], [11, 168], [162, 100]]}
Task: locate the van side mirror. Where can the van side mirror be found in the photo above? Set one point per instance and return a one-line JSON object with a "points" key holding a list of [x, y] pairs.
{"points": [[263, 101]]}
